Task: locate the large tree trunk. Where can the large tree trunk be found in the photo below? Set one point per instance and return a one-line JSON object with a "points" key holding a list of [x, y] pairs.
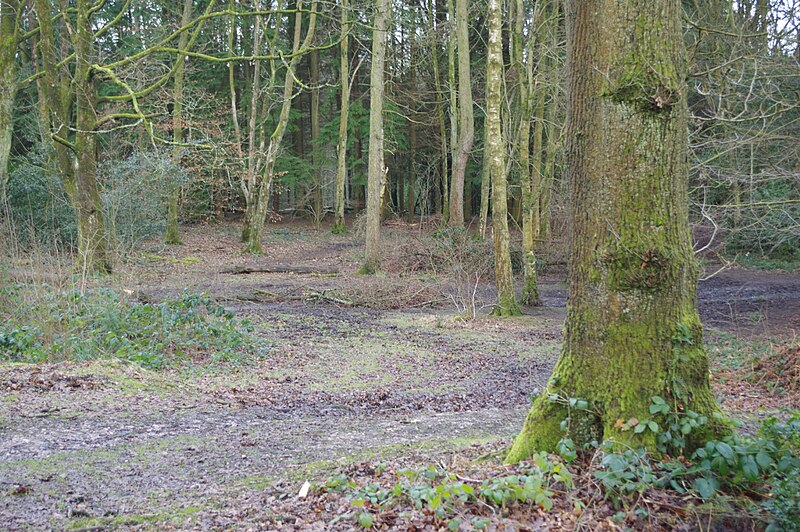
{"points": [[495, 150], [341, 148], [466, 126], [8, 86], [632, 329], [172, 236], [376, 170]]}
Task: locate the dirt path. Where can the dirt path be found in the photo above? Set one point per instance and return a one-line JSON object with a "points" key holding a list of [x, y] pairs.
{"points": [[109, 444], [100, 456]]}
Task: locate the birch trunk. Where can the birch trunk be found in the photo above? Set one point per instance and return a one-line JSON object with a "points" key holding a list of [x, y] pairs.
{"points": [[495, 150]]}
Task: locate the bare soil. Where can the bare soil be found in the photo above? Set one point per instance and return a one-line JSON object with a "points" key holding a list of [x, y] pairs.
{"points": [[358, 367]]}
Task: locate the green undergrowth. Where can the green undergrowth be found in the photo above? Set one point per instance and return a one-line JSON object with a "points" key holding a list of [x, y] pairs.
{"points": [[745, 479], [445, 495], [47, 325], [756, 262]]}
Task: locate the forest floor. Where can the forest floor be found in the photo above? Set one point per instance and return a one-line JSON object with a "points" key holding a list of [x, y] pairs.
{"points": [[378, 368]]}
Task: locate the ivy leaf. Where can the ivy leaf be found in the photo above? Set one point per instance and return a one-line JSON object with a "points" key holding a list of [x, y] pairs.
{"points": [[652, 425]]}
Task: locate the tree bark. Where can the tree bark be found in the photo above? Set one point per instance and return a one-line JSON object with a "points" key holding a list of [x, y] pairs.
{"points": [[632, 329], [316, 157], [528, 173], [439, 111], [495, 150], [552, 131], [486, 180], [376, 175], [341, 148], [266, 175], [172, 236], [466, 126], [8, 87], [93, 253]]}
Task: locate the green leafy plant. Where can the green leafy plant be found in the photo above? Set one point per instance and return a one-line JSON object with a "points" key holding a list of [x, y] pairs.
{"points": [[107, 324]]}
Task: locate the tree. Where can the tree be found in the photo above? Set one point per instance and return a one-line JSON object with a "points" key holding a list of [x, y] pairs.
{"points": [[632, 331], [466, 125], [495, 152], [172, 236], [341, 147], [259, 190], [376, 177], [528, 172], [8, 85]]}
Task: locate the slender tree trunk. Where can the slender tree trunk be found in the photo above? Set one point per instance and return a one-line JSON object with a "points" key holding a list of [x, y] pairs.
{"points": [[8, 87], [528, 172], [632, 329], [466, 134], [411, 200], [486, 180], [92, 239], [172, 236], [341, 148], [255, 149], [439, 109], [316, 157], [495, 150], [552, 131], [261, 205], [376, 177]]}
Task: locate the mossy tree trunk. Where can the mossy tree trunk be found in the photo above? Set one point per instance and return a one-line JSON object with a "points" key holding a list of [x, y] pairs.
{"points": [[376, 169], [341, 147], [495, 151], [8, 86], [70, 97], [93, 253], [632, 329]]}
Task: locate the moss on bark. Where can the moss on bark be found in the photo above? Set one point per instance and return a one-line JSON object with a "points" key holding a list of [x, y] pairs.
{"points": [[632, 329]]}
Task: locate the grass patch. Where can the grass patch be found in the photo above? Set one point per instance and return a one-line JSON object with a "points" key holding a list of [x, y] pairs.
{"points": [[176, 517]]}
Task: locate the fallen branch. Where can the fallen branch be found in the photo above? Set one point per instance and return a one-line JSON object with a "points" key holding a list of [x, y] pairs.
{"points": [[323, 296], [302, 270]]}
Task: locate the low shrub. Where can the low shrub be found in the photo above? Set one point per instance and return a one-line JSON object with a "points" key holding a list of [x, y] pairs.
{"points": [[49, 326]]}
